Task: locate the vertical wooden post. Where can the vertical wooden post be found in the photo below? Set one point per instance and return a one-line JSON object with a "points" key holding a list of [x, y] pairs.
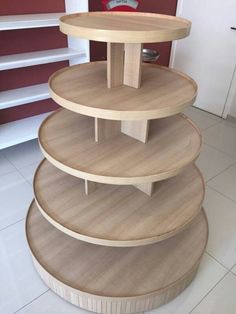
{"points": [[105, 129], [90, 186], [136, 129], [147, 188], [133, 65], [115, 64]]}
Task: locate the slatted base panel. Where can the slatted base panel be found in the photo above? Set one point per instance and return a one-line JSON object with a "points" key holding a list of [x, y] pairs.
{"points": [[115, 280]]}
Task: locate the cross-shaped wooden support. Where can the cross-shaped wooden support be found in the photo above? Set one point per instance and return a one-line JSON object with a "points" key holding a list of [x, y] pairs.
{"points": [[124, 67]]}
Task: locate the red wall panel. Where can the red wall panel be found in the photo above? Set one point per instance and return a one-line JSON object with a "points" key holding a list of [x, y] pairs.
{"points": [[11, 7], [22, 77], [27, 110], [28, 40]]}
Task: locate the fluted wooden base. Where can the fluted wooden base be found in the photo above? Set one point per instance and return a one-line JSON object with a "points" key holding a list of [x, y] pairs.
{"points": [[115, 280]]}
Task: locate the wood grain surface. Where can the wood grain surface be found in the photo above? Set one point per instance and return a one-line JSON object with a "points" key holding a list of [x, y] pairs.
{"points": [[89, 275], [118, 215], [125, 27], [83, 89], [67, 141]]}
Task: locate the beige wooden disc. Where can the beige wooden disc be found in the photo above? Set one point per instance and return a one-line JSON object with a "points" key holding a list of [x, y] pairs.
{"points": [[118, 215], [96, 277], [67, 141], [125, 27], [83, 89]]}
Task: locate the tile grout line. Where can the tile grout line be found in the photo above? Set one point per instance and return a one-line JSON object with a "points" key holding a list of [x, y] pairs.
{"points": [[14, 223], [232, 165], [226, 268], [219, 150], [221, 193], [209, 292], [31, 301]]}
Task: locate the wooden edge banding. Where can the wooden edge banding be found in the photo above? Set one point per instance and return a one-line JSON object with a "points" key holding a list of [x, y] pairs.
{"points": [[114, 305], [127, 36], [136, 129], [114, 243], [122, 115]]}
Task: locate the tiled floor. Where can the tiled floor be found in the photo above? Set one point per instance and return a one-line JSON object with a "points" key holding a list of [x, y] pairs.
{"points": [[213, 290]]}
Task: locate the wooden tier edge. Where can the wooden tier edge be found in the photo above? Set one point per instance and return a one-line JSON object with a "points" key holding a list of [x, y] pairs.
{"points": [[135, 180], [116, 305], [109, 242], [126, 115]]}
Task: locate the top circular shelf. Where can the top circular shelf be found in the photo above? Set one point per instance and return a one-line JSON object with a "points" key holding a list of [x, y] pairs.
{"points": [[125, 27]]}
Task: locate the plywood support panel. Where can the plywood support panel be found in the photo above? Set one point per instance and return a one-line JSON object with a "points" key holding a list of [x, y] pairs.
{"points": [[90, 186], [106, 129], [133, 65], [146, 188], [115, 64], [136, 129]]}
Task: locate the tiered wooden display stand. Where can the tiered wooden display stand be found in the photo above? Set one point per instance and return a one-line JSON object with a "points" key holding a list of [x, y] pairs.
{"points": [[105, 231]]}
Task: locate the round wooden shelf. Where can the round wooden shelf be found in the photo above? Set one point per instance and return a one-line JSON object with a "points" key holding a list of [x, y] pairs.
{"points": [[115, 280], [124, 27], [67, 141], [118, 215], [83, 89]]}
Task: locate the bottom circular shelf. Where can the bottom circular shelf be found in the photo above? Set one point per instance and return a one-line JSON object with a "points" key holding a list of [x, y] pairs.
{"points": [[115, 280]]}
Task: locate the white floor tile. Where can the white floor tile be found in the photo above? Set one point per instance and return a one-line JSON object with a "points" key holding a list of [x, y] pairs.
{"points": [[221, 213], [226, 182], [5, 165], [23, 154], [15, 195], [50, 303], [222, 137], [201, 118], [211, 162], [210, 272], [221, 300], [20, 283], [29, 171]]}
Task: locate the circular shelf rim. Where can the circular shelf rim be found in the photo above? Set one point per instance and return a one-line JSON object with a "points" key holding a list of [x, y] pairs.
{"points": [[54, 282], [113, 242], [126, 36], [115, 179], [112, 114]]}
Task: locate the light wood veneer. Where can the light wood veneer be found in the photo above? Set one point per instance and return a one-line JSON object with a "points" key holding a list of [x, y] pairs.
{"points": [[83, 89], [123, 27], [115, 280], [118, 215], [67, 141]]}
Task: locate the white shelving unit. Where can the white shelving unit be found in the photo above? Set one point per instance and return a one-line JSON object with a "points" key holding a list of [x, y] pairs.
{"points": [[10, 22], [77, 52], [27, 59], [20, 131], [24, 95]]}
